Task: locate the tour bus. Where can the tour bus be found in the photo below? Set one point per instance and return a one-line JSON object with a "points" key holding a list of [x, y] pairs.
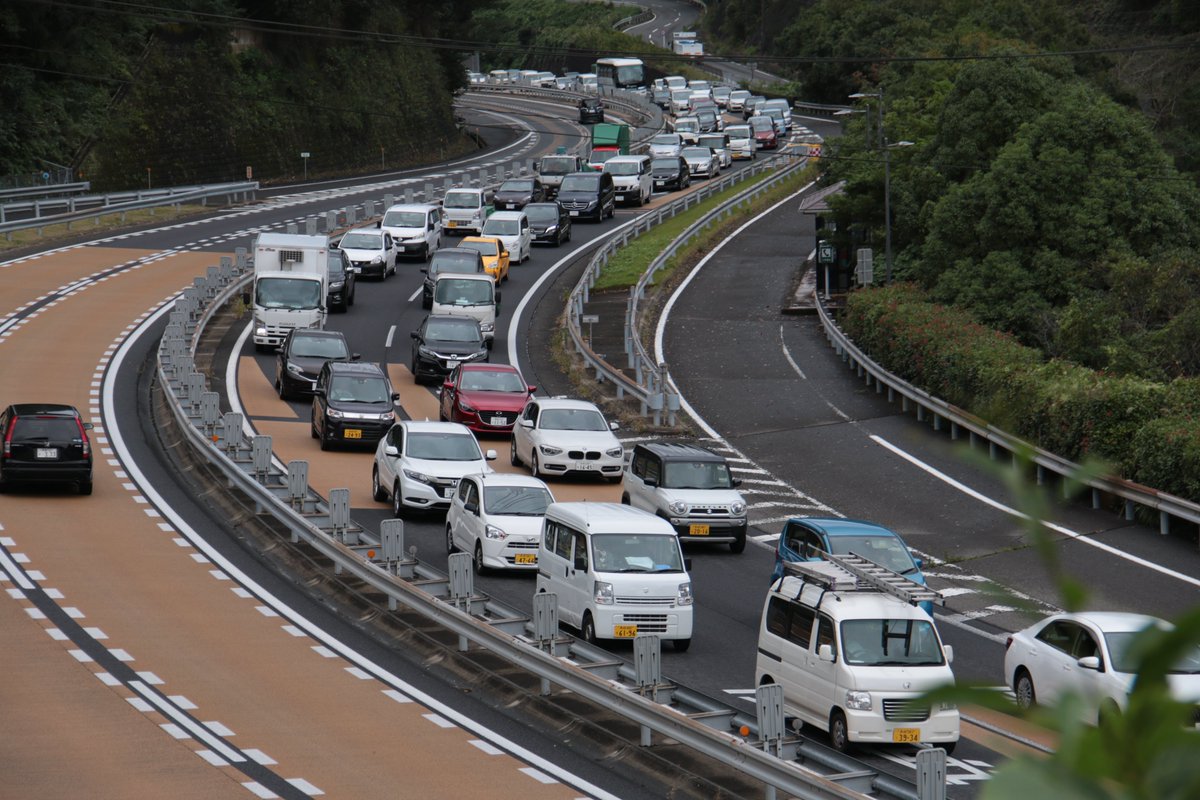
{"points": [[620, 73]]}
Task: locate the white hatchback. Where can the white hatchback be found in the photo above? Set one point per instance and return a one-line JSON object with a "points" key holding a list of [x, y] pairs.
{"points": [[419, 464], [512, 228], [497, 518], [558, 436]]}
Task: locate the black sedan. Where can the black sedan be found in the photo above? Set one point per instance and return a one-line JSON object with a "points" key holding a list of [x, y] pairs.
{"points": [[442, 343], [550, 223], [303, 352], [670, 173], [340, 295], [515, 194]]}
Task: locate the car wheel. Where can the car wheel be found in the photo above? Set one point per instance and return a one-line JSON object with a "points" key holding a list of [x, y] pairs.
{"points": [[313, 425], [450, 548], [1108, 713], [279, 389], [350, 299], [480, 569], [442, 414], [533, 465], [85, 487], [325, 443], [513, 458], [625, 499], [839, 732], [426, 302], [738, 545], [377, 492], [397, 502], [588, 629], [681, 645], [416, 374], [1023, 689]]}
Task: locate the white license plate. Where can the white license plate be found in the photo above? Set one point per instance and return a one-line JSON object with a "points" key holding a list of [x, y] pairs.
{"points": [[574, 213], [660, 183], [620, 198], [499, 421], [585, 465], [448, 492], [451, 363], [47, 452]]}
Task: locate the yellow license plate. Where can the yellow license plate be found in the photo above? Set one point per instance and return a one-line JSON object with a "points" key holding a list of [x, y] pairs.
{"points": [[352, 433], [451, 224], [697, 530], [525, 558], [906, 735], [624, 631]]}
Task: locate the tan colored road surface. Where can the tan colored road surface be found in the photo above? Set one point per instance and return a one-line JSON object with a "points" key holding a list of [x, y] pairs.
{"points": [[162, 608]]}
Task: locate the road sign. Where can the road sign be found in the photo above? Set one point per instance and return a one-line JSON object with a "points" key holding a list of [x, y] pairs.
{"points": [[825, 252], [305, 155], [589, 319]]}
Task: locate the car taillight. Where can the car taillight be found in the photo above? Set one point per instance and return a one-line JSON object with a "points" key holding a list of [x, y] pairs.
{"points": [[87, 446], [8, 437]]}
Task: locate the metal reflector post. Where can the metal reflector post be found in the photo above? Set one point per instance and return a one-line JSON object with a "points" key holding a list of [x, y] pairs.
{"points": [[339, 515], [260, 452], [231, 431], [931, 774], [297, 482], [210, 412], [462, 587], [545, 626], [391, 545]]}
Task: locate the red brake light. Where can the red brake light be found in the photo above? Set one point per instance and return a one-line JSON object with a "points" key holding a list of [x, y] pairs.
{"points": [[87, 446], [12, 423]]}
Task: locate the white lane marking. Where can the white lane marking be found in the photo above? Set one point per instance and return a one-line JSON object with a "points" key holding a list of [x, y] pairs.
{"points": [[788, 355], [316, 632], [412, 297], [391, 332], [182, 720], [1079, 537]]}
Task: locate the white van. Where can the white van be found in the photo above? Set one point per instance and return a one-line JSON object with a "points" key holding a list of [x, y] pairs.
{"points": [[473, 296], [854, 659], [465, 210], [617, 572], [512, 228], [631, 178], [416, 228]]}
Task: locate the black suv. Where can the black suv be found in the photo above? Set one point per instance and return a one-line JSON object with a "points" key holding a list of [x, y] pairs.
{"points": [[340, 294], [352, 404], [443, 342], [45, 442], [549, 223], [303, 352], [448, 260], [591, 110]]}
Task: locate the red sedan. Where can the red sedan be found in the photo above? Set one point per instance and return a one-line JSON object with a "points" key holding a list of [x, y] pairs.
{"points": [[485, 397]]}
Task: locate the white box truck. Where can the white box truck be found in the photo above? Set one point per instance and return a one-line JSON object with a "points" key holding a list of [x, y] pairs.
{"points": [[291, 277]]}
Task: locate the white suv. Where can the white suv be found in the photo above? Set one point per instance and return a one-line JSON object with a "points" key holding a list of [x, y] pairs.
{"points": [[497, 518], [631, 178], [419, 464], [415, 228], [556, 436]]}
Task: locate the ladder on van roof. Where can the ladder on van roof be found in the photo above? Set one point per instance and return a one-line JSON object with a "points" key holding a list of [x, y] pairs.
{"points": [[861, 574]]}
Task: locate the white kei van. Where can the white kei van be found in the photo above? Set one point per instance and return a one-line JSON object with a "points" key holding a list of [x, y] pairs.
{"points": [[472, 295], [617, 572], [631, 178], [466, 210], [854, 660]]}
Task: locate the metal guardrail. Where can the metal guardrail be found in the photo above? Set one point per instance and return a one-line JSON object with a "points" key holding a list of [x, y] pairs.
{"points": [[632, 103], [651, 383], [636, 19], [218, 440], [1133, 494], [122, 203], [46, 190]]}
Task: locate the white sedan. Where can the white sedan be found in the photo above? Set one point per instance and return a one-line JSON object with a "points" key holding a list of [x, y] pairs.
{"points": [[419, 464], [497, 518], [701, 161], [371, 250], [1088, 654], [557, 436]]}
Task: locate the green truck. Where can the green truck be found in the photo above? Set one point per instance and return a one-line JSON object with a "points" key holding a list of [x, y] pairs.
{"points": [[608, 139]]}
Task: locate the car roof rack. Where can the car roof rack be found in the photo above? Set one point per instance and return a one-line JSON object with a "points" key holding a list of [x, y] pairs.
{"points": [[851, 572]]}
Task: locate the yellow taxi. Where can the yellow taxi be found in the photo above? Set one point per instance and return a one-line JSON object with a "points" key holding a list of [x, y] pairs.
{"points": [[495, 256]]}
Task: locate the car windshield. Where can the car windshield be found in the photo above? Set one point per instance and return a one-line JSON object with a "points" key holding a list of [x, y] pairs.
{"points": [[891, 642], [696, 475], [580, 183], [466, 261], [483, 248], [461, 200], [666, 138], [516, 501], [681, 95], [665, 165], [1127, 656], [293, 293], [516, 186], [319, 347], [636, 552], [541, 213], [458, 292], [738, 132], [689, 125], [697, 152], [362, 240], [489, 380], [886, 551], [761, 124], [404, 219], [42, 429], [557, 165], [600, 156], [452, 330], [501, 227], [715, 142], [356, 389], [571, 419], [443, 446], [621, 168]]}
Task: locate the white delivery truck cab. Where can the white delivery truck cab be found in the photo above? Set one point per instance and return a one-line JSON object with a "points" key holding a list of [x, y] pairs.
{"points": [[617, 572], [854, 653], [473, 296], [291, 276]]}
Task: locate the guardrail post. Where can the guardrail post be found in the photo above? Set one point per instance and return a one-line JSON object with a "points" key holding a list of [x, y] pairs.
{"points": [[260, 453], [1129, 510], [429, 193], [408, 194], [545, 627], [339, 518], [297, 484], [391, 545], [194, 388], [768, 701], [293, 228], [389, 200], [647, 668], [231, 431], [210, 412], [931, 774], [330, 221], [462, 587]]}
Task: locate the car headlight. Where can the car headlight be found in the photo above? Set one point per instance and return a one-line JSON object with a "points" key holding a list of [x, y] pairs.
{"points": [[388, 415], [603, 593], [294, 369], [678, 507], [737, 509], [547, 450], [334, 413], [551, 229], [333, 287], [419, 477], [614, 452], [415, 240], [858, 701], [422, 350], [684, 595], [492, 532], [260, 331], [377, 259], [465, 406], [487, 326]]}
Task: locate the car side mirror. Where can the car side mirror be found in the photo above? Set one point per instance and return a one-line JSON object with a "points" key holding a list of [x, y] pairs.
{"points": [[395, 397], [391, 450], [651, 483], [245, 298], [319, 392], [527, 423], [425, 270], [355, 356], [920, 562], [687, 565], [948, 649], [87, 426], [735, 482], [490, 455], [1089, 662], [612, 426], [414, 334], [825, 653], [471, 508], [448, 384], [531, 389], [379, 224]]}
